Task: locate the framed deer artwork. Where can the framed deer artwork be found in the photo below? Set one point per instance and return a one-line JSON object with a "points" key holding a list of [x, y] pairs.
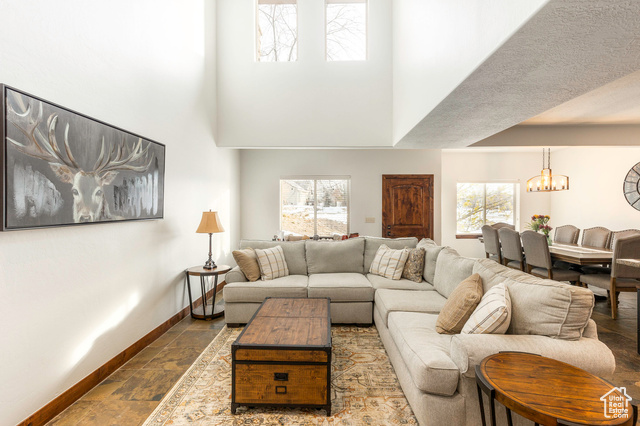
{"points": [[63, 168]]}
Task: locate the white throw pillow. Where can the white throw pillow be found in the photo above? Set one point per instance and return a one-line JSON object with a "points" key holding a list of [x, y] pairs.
{"points": [[389, 263], [493, 313], [272, 263]]}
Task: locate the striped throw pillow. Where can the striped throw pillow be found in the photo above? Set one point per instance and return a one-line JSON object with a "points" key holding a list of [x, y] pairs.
{"points": [[493, 314], [272, 263], [389, 263]]}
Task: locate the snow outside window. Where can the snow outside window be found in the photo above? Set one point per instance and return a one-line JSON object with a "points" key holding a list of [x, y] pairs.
{"points": [[314, 206]]}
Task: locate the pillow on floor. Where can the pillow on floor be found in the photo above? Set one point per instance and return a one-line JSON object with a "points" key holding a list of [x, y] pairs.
{"points": [[460, 305], [389, 263], [414, 267], [272, 263], [248, 263], [493, 314]]}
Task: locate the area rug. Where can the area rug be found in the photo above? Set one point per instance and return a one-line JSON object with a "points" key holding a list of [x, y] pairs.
{"points": [[364, 388]]}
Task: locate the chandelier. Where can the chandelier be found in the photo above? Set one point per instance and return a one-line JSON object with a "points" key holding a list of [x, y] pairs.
{"points": [[546, 181]]}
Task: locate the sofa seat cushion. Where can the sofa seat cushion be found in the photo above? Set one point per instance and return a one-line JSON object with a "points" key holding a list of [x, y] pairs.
{"points": [[335, 256], [289, 286], [389, 300], [379, 282], [425, 352], [341, 287]]}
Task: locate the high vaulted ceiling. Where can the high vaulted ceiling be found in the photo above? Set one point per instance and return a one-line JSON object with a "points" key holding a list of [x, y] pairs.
{"points": [[566, 50]]}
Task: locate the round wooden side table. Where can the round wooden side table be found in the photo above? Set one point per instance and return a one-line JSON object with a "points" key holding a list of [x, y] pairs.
{"points": [[550, 392], [200, 311]]}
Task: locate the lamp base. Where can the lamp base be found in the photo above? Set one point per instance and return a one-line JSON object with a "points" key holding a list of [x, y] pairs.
{"points": [[210, 264]]}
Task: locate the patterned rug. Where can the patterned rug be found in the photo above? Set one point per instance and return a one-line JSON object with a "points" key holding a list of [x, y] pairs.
{"points": [[364, 388]]}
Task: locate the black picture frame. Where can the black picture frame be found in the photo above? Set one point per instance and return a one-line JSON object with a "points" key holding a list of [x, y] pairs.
{"points": [[63, 168]]}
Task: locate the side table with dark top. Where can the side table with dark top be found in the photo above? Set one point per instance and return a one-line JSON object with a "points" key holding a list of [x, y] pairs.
{"points": [[200, 312], [546, 391]]}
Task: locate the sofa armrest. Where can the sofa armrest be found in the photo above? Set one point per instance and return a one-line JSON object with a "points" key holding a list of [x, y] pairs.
{"points": [[235, 276], [468, 350]]}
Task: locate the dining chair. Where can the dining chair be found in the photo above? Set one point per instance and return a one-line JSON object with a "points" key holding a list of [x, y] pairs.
{"points": [[621, 234], [567, 234], [499, 225], [511, 248], [491, 243], [536, 251], [622, 278], [598, 236]]}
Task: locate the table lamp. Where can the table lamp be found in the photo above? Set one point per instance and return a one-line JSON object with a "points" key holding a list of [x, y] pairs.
{"points": [[210, 224]]}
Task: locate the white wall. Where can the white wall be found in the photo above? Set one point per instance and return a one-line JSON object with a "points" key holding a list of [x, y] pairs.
{"points": [[261, 171], [310, 102], [72, 298], [595, 197], [489, 166], [437, 44]]}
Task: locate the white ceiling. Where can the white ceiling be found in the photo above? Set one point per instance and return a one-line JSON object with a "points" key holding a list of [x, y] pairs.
{"points": [[569, 48]]}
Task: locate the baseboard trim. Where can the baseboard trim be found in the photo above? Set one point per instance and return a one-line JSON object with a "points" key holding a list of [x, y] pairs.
{"points": [[71, 395]]}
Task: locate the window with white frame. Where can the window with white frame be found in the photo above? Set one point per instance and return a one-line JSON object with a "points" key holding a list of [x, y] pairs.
{"points": [[346, 30], [314, 205], [277, 31], [485, 203]]}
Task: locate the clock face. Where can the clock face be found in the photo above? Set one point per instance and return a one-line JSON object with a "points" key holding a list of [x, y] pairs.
{"points": [[631, 187]]}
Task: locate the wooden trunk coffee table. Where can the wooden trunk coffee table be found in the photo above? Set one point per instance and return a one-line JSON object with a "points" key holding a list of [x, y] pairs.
{"points": [[549, 392], [283, 356]]}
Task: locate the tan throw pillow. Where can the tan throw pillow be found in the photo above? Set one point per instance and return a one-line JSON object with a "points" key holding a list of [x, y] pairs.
{"points": [[460, 305], [414, 267], [493, 314], [272, 263], [389, 263], [248, 263]]}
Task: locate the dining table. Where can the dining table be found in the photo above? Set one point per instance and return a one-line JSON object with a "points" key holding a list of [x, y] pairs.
{"points": [[580, 255]]}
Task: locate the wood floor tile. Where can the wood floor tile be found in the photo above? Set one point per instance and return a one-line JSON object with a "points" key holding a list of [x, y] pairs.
{"points": [[147, 385], [173, 358], [109, 385], [142, 358], [198, 339], [74, 414], [119, 413], [165, 339]]}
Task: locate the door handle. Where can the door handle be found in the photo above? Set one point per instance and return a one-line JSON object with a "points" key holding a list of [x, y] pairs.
{"points": [[388, 226]]}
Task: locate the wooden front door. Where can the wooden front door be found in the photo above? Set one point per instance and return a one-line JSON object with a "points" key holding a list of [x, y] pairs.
{"points": [[407, 206]]}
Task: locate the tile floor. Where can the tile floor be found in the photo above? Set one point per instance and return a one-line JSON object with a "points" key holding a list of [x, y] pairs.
{"points": [[130, 394]]}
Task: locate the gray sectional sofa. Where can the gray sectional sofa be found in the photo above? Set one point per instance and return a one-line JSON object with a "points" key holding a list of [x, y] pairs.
{"points": [[436, 371]]}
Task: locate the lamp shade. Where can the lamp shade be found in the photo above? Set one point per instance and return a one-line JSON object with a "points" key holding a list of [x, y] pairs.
{"points": [[210, 223]]}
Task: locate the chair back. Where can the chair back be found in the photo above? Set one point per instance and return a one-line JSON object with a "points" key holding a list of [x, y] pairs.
{"points": [[626, 248], [621, 234], [536, 249], [511, 244], [491, 241], [500, 225], [596, 237], [567, 234]]}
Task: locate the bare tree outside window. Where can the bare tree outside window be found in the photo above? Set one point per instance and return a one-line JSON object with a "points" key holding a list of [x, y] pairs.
{"points": [[277, 32], [484, 203], [346, 30], [314, 206]]}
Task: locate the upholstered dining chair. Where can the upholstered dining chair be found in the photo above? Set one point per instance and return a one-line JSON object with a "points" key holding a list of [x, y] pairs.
{"points": [[536, 251], [598, 236], [621, 234], [499, 225], [491, 243], [567, 234], [622, 278], [511, 248]]}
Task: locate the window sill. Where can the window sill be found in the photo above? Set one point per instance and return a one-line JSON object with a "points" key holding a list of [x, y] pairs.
{"points": [[468, 236]]}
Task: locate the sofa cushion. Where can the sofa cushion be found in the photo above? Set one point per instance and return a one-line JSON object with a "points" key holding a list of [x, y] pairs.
{"points": [[414, 267], [372, 243], [341, 287], [379, 282], [460, 305], [425, 352], [493, 314], [389, 263], [272, 263], [247, 261], [430, 258], [335, 256], [243, 292], [388, 301], [451, 270], [294, 253]]}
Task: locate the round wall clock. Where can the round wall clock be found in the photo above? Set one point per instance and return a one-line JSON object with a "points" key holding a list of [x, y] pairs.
{"points": [[631, 187]]}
